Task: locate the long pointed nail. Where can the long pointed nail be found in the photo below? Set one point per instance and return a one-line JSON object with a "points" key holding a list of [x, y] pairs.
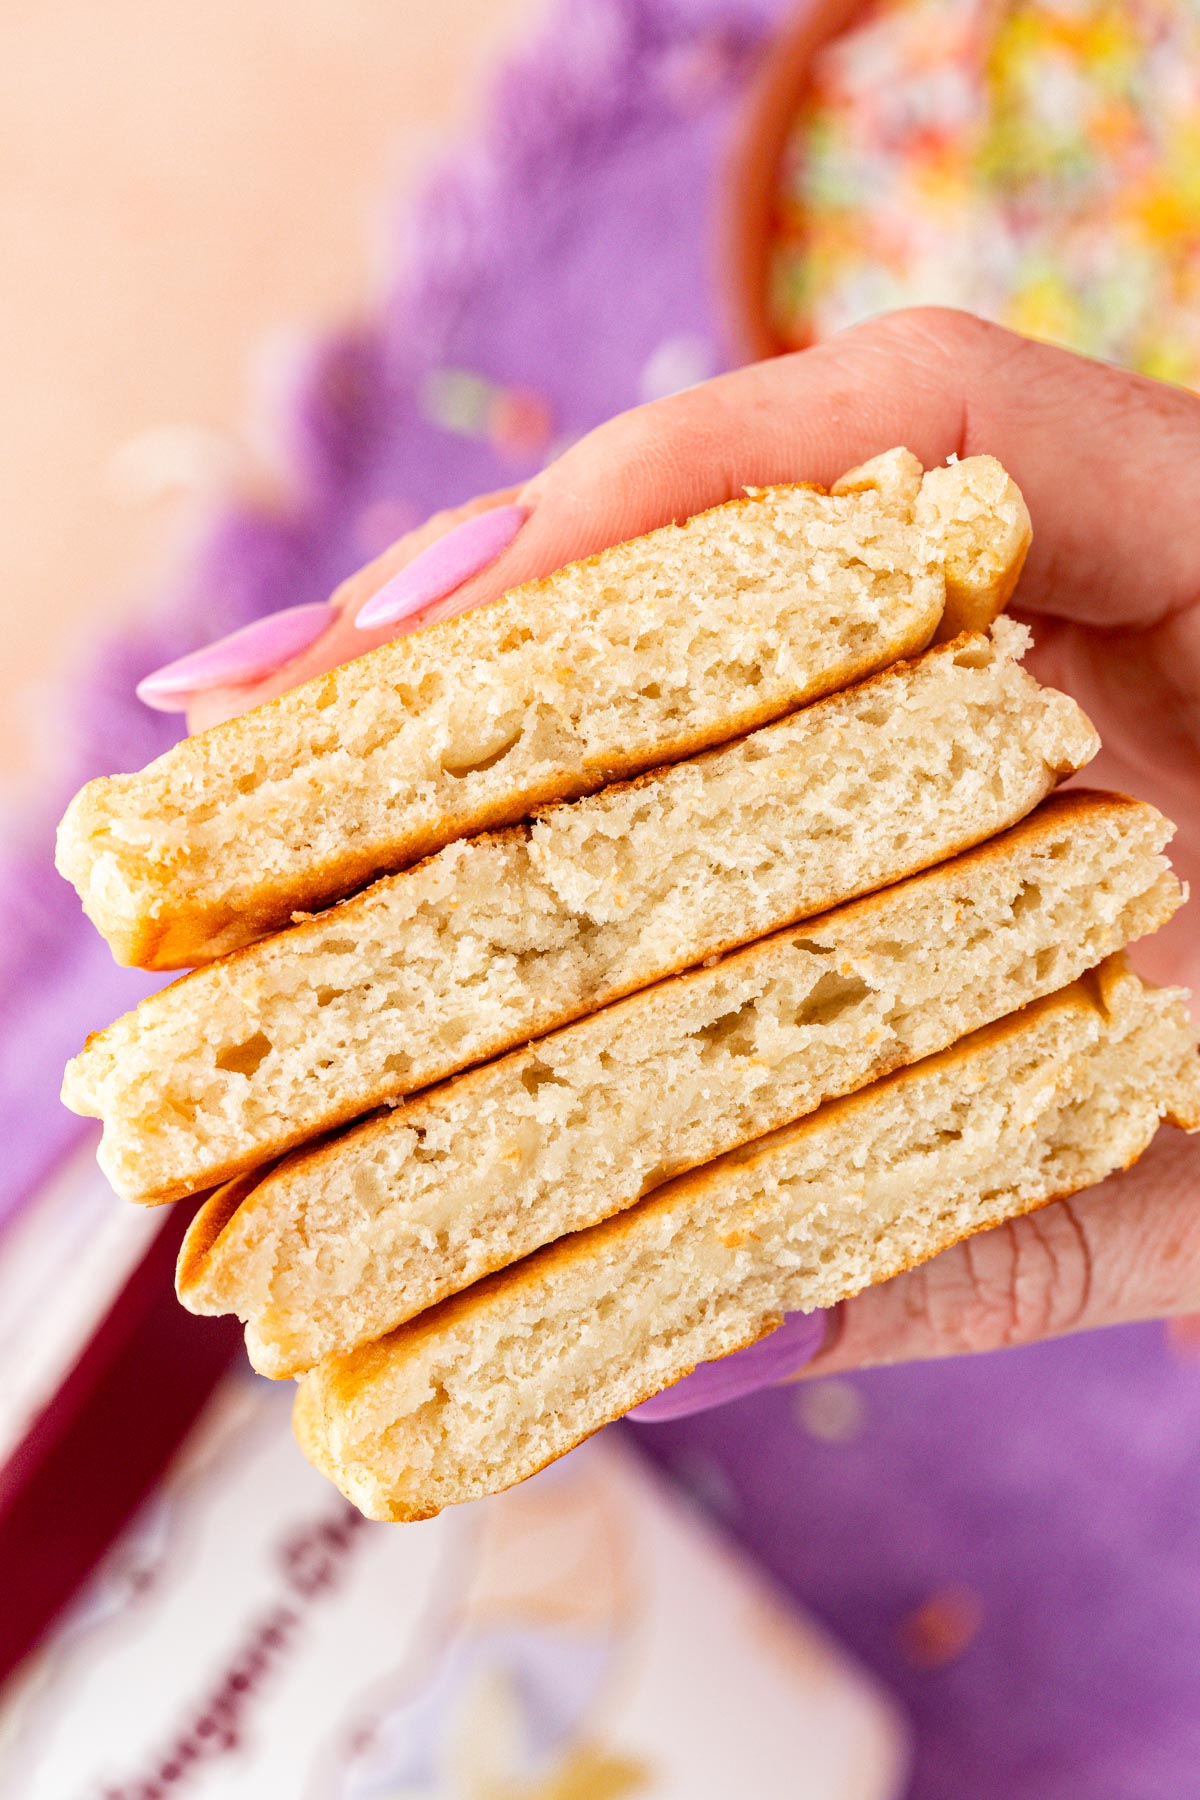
{"points": [[446, 564], [256, 650], [760, 1365]]}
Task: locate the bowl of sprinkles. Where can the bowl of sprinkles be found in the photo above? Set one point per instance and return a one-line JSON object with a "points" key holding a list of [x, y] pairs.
{"points": [[1034, 161]]}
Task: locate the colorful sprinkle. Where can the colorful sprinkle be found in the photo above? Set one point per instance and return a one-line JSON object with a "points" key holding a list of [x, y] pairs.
{"points": [[458, 401], [520, 423], [515, 421], [831, 1410], [941, 1628], [1037, 162]]}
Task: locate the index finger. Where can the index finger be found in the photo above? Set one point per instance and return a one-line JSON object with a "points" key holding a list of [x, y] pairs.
{"points": [[1107, 460], [1109, 464]]}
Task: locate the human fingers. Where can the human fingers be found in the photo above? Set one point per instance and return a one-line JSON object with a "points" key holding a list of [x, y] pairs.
{"points": [[1109, 463], [1128, 1249], [222, 699]]}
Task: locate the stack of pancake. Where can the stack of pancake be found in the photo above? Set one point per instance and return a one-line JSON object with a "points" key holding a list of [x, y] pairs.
{"points": [[686, 939]]}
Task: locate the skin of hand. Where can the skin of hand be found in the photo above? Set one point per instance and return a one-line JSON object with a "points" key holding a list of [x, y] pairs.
{"points": [[1109, 464]]}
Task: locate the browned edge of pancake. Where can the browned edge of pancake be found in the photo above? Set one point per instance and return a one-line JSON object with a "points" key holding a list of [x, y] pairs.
{"points": [[150, 943], [384, 1091], [337, 1376], [202, 1240]]}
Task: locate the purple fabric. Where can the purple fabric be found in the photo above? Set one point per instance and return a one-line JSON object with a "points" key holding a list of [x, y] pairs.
{"points": [[759, 1365], [1045, 1500], [1013, 1542]]}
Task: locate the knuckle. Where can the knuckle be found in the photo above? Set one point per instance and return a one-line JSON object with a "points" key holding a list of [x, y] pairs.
{"points": [[1032, 1276], [1025, 1279], [945, 1301], [944, 329]]}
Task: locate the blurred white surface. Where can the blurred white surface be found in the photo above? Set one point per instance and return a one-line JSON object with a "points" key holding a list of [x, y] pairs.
{"points": [[583, 1637]]}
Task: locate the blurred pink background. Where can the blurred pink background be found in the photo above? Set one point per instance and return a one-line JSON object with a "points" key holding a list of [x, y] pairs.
{"points": [[178, 184]]}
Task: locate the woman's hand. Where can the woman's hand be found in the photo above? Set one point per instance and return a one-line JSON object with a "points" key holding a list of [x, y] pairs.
{"points": [[1110, 467]]}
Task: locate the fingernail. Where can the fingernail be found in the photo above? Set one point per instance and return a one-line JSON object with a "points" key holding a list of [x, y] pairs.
{"points": [[760, 1365], [446, 564], [256, 650]]}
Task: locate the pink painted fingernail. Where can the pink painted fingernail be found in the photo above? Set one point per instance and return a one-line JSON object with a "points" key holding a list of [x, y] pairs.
{"points": [[760, 1365], [446, 564], [256, 650]]}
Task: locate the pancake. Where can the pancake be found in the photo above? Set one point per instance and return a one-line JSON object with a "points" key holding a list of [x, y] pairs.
{"points": [[486, 1388], [648, 652], [503, 937], [345, 1240]]}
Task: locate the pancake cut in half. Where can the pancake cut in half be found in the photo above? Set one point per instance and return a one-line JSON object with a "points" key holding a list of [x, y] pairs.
{"points": [[344, 1240], [648, 652], [503, 937], [486, 1388]]}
